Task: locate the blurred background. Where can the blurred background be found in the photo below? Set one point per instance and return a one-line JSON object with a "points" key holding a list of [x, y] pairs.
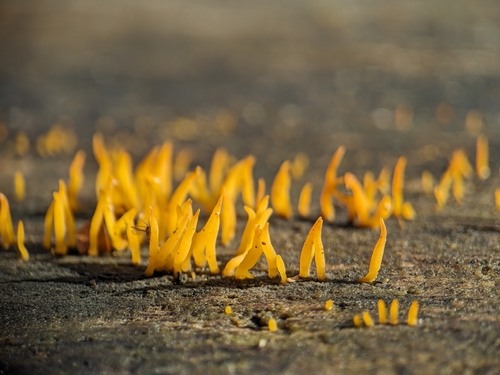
{"points": [[279, 73]]}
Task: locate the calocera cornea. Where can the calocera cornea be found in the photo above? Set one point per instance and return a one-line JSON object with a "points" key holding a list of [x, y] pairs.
{"points": [[367, 319], [261, 191], [20, 241], [304, 206], [330, 185], [483, 170], [427, 182], [280, 192], [259, 217], [400, 208], [6, 227], [153, 244], [393, 312], [313, 247], [377, 255], [59, 225], [382, 312], [19, 186], [413, 314], [299, 165], [76, 179]]}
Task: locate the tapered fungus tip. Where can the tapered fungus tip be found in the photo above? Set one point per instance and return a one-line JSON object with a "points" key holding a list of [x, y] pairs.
{"points": [[367, 319], [413, 314], [377, 255]]}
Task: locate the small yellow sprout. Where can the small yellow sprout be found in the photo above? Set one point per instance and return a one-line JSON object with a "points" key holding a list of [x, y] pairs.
{"points": [[228, 219], [153, 244], [6, 227], [228, 310], [442, 190], [378, 253], [427, 182], [133, 241], [19, 186], [313, 247], [20, 241], [76, 178], [483, 170], [497, 198], [305, 200], [367, 319], [361, 204], [68, 215], [280, 192], [398, 181], [299, 166], [329, 305], [330, 185], [59, 224], [407, 211], [273, 326], [393, 312], [356, 321], [413, 314], [162, 169], [95, 225], [218, 168], [382, 312]]}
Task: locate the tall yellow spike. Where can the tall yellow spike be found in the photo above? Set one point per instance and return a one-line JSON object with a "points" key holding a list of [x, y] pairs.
{"points": [[6, 227], [20, 241], [483, 170], [397, 187], [330, 185], [185, 245], [76, 178], [305, 200], [312, 248], [377, 255], [59, 225]]}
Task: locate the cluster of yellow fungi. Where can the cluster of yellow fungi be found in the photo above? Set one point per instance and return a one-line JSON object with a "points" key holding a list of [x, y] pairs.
{"points": [[366, 319], [7, 229], [459, 168]]}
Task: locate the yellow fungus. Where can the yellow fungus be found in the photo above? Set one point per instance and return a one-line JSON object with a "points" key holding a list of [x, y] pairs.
{"points": [[413, 314], [228, 219], [20, 241], [228, 310], [361, 205], [261, 191], [376, 259], [207, 239], [382, 312], [68, 215], [270, 254], [254, 218], [313, 246], [181, 163], [251, 258], [22, 144], [397, 187], [427, 182], [133, 241], [483, 170], [6, 227], [272, 325], [497, 198], [280, 192], [299, 166], [305, 200], [218, 168], [104, 161], [76, 178], [247, 184], [356, 321], [328, 305], [442, 190], [178, 197], [126, 188], [393, 312], [95, 225], [19, 186], [48, 225], [185, 245], [59, 225], [367, 319], [330, 185], [153, 244], [280, 264], [407, 211], [165, 261], [233, 263]]}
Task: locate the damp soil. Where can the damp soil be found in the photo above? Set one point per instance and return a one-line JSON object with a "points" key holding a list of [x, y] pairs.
{"points": [[329, 76]]}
